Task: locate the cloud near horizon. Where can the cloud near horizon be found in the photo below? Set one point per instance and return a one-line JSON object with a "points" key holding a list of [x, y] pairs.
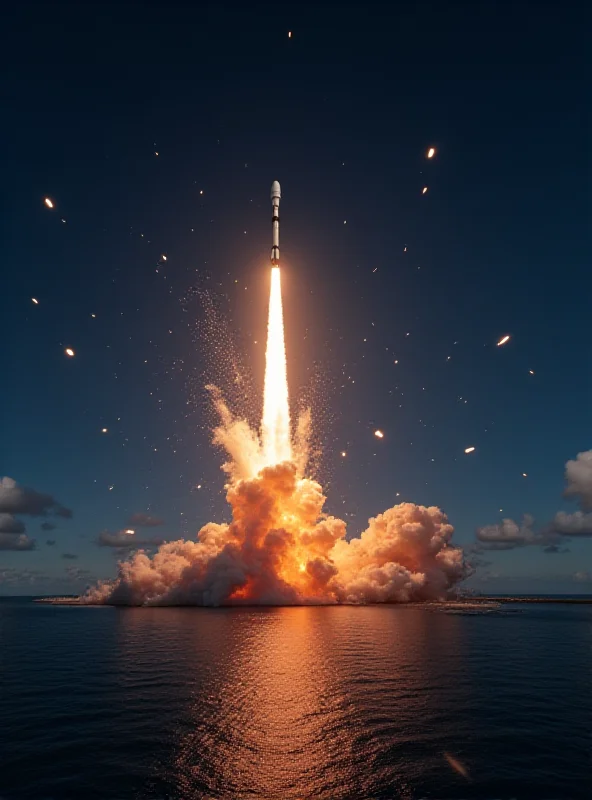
{"points": [[508, 534], [15, 499], [123, 540]]}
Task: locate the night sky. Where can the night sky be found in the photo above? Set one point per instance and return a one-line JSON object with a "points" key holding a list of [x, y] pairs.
{"points": [[156, 130]]}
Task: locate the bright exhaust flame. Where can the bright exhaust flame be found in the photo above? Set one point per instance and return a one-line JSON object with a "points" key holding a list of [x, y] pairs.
{"points": [[281, 548], [275, 427]]}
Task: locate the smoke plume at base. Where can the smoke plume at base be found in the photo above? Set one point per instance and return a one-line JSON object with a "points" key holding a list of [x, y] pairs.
{"points": [[281, 549]]}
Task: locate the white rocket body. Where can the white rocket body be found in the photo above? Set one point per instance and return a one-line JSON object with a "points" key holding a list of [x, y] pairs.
{"points": [[275, 222]]}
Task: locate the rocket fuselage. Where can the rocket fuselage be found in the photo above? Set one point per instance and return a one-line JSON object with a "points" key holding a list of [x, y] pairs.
{"points": [[275, 223]]}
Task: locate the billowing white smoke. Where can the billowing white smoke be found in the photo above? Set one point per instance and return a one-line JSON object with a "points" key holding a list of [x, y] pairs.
{"points": [[281, 549]]}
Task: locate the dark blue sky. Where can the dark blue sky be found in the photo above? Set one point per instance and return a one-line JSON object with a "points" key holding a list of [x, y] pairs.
{"points": [[342, 113]]}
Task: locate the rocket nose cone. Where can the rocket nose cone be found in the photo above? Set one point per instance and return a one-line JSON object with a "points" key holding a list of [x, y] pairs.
{"points": [[275, 190]]}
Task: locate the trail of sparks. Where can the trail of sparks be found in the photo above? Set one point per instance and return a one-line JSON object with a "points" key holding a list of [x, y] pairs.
{"points": [[275, 425]]}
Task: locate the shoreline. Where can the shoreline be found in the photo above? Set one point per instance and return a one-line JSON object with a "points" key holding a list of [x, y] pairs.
{"points": [[462, 601]]}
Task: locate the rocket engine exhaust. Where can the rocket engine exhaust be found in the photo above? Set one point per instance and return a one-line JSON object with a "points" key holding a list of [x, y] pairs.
{"points": [[281, 547]]}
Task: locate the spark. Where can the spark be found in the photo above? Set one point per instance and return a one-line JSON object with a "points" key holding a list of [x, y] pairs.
{"points": [[34, 299], [469, 449], [201, 191], [48, 202], [103, 430], [289, 34], [343, 454], [275, 427], [424, 190], [379, 434], [525, 474], [129, 532], [69, 352], [155, 154], [199, 485], [164, 258], [94, 316], [457, 766], [531, 371], [431, 152], [503, 340]]}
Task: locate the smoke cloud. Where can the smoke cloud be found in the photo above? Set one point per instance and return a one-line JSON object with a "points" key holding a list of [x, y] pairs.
{"points": [[280, 548]]}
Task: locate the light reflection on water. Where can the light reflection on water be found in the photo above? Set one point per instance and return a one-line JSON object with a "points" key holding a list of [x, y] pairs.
{"points": [[333, 703]]}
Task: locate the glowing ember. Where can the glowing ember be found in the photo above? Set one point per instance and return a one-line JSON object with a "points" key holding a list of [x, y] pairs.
{"points": [[424, 190], [469, 449], [103, 430], [379, 434], [69, 352], [431, 152], [275, 428], [34, 299], [503, 340], [48, 202]]}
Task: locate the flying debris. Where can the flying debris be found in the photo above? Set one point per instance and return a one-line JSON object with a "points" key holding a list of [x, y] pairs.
{"points": [[503, 340], [424, 190], [289, 34], [275, 222], [431, 152], [34, 300], [469, 449], [103, 430], [457, 766], [48, 202], [531, 371], [343, 454], [379, 434], [69, 352], [525, 474]]}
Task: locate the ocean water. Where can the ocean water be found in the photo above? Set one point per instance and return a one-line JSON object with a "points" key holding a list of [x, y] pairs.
{"points": [[340, 703]]}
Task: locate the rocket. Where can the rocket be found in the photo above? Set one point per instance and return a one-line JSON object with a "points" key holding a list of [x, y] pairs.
{"points": [[275, 223]]}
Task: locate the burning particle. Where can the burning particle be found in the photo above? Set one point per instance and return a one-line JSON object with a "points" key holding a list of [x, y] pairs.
{"points": [[129, 532], [431, 152], [379, 434], [164, 258], [94, 316], [503, 340], [199, 485], [289, 34], [405, 249], [345, 222], [469, 449], [34, 299], [531, 371], [457, 766], [155, 154], [201, 191], [69, 352], [63, 220], [103, 430], [424, 190], [48, 202], [396, 361], [525, 474], [111, 488], [343, 454]]}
